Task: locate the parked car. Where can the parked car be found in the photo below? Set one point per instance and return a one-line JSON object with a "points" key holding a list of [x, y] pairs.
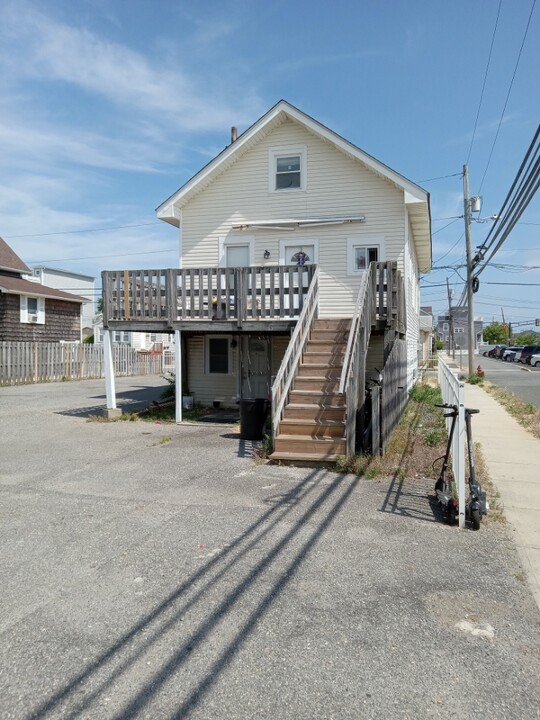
{"points": [[510, 354], [495, 350], [535, 360], [526, 353], [499, 352]]}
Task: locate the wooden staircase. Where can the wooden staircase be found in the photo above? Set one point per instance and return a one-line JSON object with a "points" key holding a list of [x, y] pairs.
{"points": [[313, 424]]}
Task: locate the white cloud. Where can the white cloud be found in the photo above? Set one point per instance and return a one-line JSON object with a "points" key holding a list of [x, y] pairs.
{"points": [[38, 47]]}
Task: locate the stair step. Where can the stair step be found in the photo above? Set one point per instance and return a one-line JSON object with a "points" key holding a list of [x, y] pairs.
{"points": [[332, 359], [298, 444], [305, 457], [310, 427], [313, 411], [319, 384], [343, 324], [325, 346], [329, 336], [319, 370], [317, 397]]}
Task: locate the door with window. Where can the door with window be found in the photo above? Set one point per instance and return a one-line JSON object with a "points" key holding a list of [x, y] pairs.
{"points": [[299, 254], [255, 367]]}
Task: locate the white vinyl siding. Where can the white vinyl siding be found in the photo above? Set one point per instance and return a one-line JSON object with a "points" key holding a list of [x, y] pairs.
{"points": [[206, 388], [410, 273], [337, 185]]}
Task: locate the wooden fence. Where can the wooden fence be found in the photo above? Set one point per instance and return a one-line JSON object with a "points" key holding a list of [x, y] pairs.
{"points": [[36, 362]]}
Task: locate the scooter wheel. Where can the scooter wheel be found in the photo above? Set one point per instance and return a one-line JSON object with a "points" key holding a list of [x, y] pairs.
{"points": [[475, 519], [451, 515]]}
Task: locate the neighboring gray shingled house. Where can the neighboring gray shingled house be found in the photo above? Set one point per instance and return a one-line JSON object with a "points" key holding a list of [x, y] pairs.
{"points": [[29, 311]]}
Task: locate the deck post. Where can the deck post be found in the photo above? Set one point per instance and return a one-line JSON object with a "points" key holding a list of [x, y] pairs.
{"points": [[111, 411], [178, 375]]}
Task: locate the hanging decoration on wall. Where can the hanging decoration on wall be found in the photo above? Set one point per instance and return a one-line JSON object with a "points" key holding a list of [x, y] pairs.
{"points": [[300, 258]]}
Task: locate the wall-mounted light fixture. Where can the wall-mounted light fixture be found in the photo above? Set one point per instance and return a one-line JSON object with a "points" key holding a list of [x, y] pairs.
{"points": [[266, 254]]}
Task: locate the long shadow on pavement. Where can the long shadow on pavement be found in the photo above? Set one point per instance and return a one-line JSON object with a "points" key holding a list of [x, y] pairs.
{"points": [[72, 699]]}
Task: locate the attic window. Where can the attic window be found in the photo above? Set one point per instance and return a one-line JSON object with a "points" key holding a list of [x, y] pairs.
{"points": [[287, 169], [288, 172]]}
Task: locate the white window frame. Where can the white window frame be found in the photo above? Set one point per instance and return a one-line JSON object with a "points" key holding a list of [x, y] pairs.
{"points": [[37, 318], [287, 151], [445, 327], [225, 241], [300, 242], [367, 242], [207, 341]]}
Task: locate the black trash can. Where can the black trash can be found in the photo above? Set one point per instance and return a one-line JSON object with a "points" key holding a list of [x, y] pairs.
{"points": [[253, 414]]}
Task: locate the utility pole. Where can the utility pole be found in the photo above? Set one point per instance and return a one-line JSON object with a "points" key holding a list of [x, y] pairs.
{"points": [[451, 345], [470, 308]]}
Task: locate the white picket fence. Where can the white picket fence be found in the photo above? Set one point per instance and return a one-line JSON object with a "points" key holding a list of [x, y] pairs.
{"points": [[453, 393], [37, 362]]}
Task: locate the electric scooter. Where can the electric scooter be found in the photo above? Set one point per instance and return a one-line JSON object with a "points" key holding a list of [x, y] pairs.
{"points": [[443, 487], [476, 504]]}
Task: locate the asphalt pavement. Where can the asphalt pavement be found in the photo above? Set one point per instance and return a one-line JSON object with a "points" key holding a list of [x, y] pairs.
{"points": [[158, 571]]}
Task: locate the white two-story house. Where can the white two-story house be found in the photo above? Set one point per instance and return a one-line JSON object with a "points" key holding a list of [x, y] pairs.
{"points": [[300, 258]]}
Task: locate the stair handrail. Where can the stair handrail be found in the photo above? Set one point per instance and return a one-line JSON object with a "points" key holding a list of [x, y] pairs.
{"points": [[355, 324], [365, 315], [289, 365]]}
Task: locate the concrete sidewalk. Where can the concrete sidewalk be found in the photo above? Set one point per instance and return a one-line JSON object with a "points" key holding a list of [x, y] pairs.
{"points": [[513, 459]]}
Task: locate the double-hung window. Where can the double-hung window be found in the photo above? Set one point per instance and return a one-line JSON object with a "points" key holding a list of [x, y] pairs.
{"points": [[32, 310], [218, 356], [360, 254], [287, 168]]}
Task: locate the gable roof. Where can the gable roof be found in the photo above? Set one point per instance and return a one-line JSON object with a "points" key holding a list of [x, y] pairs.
{"points": [[10, 261], [416, 198], [17, 286]]}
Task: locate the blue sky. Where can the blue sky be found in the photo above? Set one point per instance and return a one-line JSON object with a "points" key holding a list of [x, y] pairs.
{"points": [[107, 107]]}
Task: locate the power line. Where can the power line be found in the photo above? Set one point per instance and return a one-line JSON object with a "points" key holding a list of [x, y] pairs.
{"points": [[98, 257], [521, 192], [441, 177], [507, 97], [88, 230], [484, 83]]}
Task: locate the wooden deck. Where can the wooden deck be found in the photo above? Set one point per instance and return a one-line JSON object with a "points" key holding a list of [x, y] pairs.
{"points": [[199, 299]]}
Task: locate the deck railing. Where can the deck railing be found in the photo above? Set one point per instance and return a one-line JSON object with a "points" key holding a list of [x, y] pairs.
{"points": [[290, 363], [205, 294], [381, 298]]}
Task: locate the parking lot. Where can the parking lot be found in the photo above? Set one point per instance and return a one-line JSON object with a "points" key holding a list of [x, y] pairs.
{"points": [[157, 571]]}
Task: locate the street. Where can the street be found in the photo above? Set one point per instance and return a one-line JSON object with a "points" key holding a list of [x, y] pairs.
{"points": [[522, 380]]}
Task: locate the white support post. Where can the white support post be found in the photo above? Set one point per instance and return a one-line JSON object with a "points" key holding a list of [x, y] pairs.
{"points": [[178, 374], [460, 456], [111, 410]]}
